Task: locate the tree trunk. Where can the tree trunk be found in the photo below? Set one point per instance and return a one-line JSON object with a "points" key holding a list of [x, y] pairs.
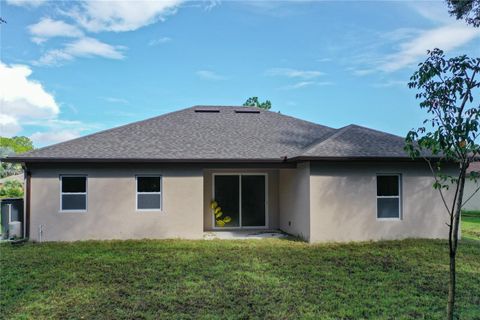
{"points": [[453, 246], [451, 288]]}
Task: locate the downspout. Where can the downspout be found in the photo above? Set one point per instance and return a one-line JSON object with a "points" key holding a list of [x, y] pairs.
{"points": [[26, 211]]}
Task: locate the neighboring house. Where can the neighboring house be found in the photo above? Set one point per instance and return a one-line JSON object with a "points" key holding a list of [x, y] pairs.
{"points": [[470, 187], [157, 178]]}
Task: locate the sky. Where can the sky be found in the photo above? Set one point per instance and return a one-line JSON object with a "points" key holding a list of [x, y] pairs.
{"points": [[71, 68]]}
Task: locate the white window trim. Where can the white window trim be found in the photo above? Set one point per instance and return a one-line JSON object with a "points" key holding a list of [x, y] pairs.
{"points": [[159, 193], [399, 197], [76, 193], [240, 174]]}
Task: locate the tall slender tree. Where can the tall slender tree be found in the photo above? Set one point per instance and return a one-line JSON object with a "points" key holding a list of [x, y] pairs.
{"points": [[448, 139]]}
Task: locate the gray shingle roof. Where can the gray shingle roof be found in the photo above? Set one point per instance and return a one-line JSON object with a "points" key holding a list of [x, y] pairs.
{"points": [[357, 142], [222, 133]]}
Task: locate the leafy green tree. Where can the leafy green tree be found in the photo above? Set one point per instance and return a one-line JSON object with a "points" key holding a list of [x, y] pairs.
{"points": [[11, 189], [447, 88], [254, 102], [8, 169], [18, 144], [11, 146], [468, 10]]}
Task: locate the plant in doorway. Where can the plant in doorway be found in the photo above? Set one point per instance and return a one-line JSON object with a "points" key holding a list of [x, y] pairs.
{"points": [[217, 212]]}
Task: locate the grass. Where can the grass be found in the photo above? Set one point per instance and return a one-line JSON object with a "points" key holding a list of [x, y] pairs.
{"points": [[471, 225], [264, 279]]}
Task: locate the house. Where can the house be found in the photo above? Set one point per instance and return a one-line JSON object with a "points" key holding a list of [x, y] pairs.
{"points": [[157, 178], [471, 186]]}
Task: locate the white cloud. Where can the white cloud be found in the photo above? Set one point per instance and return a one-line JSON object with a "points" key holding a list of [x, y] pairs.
{"points": [[431, 10], [391, 83], [48, 28], [51, 137], [26, 3], [96, 16], [209, 75], [158, 41], [446, 37], [83, 47], [118, 16], [362, 72], [303, 84], [294, 73], [21, 97], [115, 100], [87, 47], [25, 102], [406, 47], [9, 126]]}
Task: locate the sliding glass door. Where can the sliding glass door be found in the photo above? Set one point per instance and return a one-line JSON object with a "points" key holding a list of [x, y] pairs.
{"points": [[242, 197]]}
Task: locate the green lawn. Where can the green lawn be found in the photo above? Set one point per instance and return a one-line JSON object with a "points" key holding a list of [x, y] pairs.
{"points": [[471, 225], [273, 279]]}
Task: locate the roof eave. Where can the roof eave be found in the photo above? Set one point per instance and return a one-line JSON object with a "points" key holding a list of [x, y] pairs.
{"points": [[359, 158], [134, 160]]}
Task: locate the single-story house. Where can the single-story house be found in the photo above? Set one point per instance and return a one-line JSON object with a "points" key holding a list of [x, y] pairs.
{"points": [[471, 186], [214, 168]]}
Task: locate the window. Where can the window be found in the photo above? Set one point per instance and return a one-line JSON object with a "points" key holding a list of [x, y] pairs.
{"points": [[388, 196], [149, 193], [73, 195]]}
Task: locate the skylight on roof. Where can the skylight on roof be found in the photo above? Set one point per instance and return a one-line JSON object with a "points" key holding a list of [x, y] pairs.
{"points": [[247, 111], [207, 110]]}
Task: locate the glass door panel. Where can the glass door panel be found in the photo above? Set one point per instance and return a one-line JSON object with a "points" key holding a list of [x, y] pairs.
{"points": [[227, 195], [253, 200]]}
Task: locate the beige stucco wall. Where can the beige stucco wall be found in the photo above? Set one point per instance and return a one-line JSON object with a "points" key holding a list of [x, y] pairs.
{"points": [[294, 200], [111, 212], [343, 203], [316, 201], [272, 199], [474, 202]]}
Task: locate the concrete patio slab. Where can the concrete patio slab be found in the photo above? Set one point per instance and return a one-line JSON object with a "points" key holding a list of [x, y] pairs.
{"points": [[244, 234]]}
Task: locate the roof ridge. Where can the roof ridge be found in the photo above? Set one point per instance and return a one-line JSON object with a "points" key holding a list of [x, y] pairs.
{"points": [[338, 132], [262, 110], [375, 130], [97, 133]]}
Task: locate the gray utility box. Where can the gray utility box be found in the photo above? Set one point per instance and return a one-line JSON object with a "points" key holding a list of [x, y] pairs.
{"points": [[15, 230], [11, 210]]}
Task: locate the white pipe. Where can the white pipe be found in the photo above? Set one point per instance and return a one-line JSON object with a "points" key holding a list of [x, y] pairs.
{"points": [[9, 213], [40, 232]]}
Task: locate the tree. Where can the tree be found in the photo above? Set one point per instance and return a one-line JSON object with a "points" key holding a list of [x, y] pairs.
{"points": [[447, 88], [18, 144], [11, 146], [468, 10], [8, 169], [11, 189], [253, 102]]}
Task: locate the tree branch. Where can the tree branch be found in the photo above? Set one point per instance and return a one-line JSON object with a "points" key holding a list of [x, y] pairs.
{"points": [[436, 180], [470, 197]]}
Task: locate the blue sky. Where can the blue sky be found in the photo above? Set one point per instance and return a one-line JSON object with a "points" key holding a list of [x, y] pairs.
{"points": [[72, 68]]}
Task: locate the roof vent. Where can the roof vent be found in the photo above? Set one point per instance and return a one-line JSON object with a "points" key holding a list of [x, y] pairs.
{"points": [[247, 111], [207, 110]]}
